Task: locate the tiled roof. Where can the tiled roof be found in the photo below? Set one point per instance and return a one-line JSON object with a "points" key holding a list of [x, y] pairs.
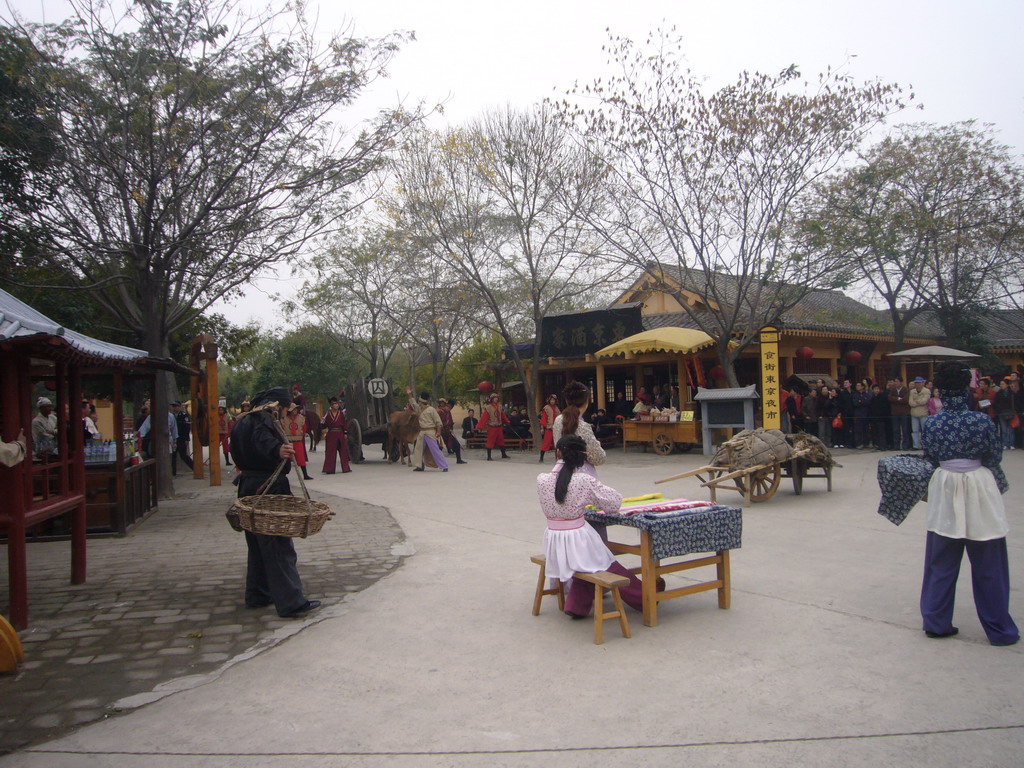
{"points": [[1004, 328], [819, 310], [20, 321]]}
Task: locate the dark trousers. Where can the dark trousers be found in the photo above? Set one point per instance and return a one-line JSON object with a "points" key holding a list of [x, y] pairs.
{"points": [[901, 439], [182, 451], [990, 578], [860, 431], [453, 446], [878, 433], [273, 573]]}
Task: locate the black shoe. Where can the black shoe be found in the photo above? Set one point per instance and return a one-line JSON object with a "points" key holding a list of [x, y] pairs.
{"points": [[574, 616], [951, 632], [460, 461], [489, 458], [302, 610], [505, 456], [445, 469], [306, 477], [418, 469]]}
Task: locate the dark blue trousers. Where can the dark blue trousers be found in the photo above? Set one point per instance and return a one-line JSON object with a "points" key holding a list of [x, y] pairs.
{"points": [[990, 578]]}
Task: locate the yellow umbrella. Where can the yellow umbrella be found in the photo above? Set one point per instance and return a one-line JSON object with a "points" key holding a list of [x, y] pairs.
{"points": [[685, 340]]}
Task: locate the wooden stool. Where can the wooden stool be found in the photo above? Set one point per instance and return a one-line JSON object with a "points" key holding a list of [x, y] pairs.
{"points": [[601, 580], [541, 591]]}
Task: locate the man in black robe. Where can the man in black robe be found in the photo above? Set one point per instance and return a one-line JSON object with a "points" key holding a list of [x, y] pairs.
{"points": [[258, 446]]}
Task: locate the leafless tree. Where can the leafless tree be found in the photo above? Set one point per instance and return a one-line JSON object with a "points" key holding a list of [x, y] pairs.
{"points": [[707, 187]]}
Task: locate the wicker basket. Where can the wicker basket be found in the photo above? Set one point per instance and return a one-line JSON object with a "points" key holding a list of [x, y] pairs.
{"points": [[279, 515], [274, 515]]}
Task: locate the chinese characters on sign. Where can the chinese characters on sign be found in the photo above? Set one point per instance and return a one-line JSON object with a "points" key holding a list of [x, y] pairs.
{"points": [[578, 334], [771, 414]]}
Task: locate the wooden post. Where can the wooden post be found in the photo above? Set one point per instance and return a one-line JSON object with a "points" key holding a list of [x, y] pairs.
{"points": [[684, 388], [14, 482], [78, 521], [602, 398], [213, 398]]}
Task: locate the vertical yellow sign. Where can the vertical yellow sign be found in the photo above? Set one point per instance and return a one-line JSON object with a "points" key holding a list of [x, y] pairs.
{"points": [[771, 413]]}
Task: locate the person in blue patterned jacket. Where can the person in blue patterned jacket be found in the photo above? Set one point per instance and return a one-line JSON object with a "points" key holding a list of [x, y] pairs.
{"points": [[965, 511]]}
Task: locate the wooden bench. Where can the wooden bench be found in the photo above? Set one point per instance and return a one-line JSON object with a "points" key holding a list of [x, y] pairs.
{"points": [[601, 580], [476, 441]]}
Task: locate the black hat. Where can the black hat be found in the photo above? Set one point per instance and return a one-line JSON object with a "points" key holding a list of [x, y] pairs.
{"points": [[273, 395], [176, 402], [333, 400]]}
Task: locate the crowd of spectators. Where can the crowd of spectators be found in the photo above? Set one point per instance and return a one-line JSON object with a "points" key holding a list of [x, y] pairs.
{"points": [[868, 415]]}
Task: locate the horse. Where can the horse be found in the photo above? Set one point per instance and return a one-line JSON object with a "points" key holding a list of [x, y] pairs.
{"points": [[314, 428], [403, 429]]}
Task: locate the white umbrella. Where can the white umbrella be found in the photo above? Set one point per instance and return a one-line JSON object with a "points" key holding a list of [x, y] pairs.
{"points": [[934, 353]]}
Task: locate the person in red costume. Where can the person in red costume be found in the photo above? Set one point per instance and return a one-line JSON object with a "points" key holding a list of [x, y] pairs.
{"points": [[548, 414], [294, 425], [493, 419], [336, 426]]}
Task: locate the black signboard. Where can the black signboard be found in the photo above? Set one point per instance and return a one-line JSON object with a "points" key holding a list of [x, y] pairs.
{"points": [[726, 413], [582, 333]]}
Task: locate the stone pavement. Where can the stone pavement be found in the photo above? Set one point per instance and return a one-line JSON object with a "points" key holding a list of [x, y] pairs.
{"points": [[820, 661], [162, 607]]}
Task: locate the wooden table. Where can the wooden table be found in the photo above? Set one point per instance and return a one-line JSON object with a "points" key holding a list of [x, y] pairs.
{"points": [[716, 529]]}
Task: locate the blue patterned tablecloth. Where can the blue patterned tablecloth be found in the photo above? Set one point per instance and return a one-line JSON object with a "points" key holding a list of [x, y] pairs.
{"points": [[706, 530]]}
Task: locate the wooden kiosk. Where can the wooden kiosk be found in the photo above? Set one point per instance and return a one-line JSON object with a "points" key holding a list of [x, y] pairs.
{"points": [[48, 484]]}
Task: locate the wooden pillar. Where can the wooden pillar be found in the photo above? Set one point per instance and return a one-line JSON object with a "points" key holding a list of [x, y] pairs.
{"points": [[638, 378], [213, 398], [14, 481], [684, 388], [78, 521], [602, 398]]}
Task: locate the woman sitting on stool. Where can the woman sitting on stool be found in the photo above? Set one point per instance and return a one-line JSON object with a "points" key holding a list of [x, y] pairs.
{"points": [[570, 543]]}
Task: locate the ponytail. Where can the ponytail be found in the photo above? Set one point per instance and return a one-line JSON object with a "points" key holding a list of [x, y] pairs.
{"points": [[576, 397], [574, 453]]}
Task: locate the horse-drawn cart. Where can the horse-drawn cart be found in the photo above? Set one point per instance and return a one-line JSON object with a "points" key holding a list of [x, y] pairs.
{"points": [[368, 402]]}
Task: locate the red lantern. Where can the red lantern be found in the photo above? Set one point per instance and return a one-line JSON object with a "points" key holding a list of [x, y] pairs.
{"points": [[718, 372], [805, 353], [853, 357], [485, 387]]}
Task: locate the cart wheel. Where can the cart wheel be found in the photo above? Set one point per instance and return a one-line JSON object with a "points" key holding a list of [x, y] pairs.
{"points": [[684, 447], [663, 444], [765, 483], [355, 441]]}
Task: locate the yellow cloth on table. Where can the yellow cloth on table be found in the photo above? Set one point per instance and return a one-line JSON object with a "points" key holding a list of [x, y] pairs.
{"points": [[644, 497]]}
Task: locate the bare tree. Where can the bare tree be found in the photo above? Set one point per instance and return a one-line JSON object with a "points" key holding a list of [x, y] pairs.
{"points": [[502, 204], [352, 284], [933, 215], [708, 187]]}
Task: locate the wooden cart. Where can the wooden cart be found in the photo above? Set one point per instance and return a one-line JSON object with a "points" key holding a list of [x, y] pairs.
{"points": [[367, 416], [760, 482], [663, 436]]}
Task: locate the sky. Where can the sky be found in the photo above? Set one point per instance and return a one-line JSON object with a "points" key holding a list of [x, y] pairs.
{"points": [[962, 60]]}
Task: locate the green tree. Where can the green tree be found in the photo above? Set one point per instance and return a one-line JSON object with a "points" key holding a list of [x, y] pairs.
{"points": [[198, 150], [708, 186], [309, 356], [27, 144]]}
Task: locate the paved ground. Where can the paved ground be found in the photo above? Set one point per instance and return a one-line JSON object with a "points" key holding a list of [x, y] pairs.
{"points": [[162, 608], [820, 660]]}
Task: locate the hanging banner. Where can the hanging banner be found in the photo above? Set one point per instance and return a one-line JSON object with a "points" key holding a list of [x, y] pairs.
{"points": [[771, 412]]}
